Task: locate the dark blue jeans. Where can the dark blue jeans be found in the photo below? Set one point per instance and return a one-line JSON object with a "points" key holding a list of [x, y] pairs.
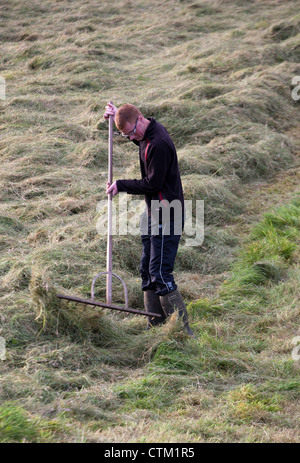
{"points": [[160, 247]]}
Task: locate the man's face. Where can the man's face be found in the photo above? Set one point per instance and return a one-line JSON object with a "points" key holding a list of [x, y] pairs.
{"points": [[135, 131]]}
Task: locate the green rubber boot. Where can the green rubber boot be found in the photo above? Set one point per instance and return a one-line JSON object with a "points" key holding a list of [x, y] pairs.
{"points": [[173, 301], [152, 304]]}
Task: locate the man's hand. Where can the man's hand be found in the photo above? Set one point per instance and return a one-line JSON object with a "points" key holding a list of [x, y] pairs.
{"points": [[110, 110], [112, 188]]}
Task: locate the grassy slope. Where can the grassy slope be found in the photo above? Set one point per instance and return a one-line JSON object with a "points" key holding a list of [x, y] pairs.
{"points": [[218, 76]]}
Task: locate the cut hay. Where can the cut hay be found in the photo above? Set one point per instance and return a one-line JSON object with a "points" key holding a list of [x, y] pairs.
{"points": [[58, 317]]}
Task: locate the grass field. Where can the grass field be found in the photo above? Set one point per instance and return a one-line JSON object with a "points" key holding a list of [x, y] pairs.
{"points": [[219, 76]]}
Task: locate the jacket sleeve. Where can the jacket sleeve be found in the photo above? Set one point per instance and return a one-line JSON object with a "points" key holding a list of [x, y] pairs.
{"points": [[158, 161]]}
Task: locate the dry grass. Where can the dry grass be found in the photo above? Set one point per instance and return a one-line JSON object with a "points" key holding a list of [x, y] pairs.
{"points": [[218, 76]]}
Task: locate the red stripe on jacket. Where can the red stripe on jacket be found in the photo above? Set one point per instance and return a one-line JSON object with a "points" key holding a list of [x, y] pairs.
{"points": [[161, 198], [146, 151]]}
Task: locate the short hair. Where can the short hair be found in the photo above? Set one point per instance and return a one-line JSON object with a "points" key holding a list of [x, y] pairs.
{"points": [[126, 113]]}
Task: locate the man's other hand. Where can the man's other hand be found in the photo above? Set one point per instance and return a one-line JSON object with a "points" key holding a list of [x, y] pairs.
{"points": [[112, 188]]}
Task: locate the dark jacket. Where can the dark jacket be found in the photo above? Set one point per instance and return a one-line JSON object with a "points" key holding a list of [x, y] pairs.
{"points": [[159, 168]]}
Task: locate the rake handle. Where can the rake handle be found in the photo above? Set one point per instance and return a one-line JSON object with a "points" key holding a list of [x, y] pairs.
{"points": [[109, 212]]}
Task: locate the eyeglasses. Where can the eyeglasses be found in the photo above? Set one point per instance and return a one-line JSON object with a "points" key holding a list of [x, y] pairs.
{"points": [[127, 135]]}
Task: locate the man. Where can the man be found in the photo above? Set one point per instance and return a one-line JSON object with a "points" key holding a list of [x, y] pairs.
{"points": [[161, 185]]}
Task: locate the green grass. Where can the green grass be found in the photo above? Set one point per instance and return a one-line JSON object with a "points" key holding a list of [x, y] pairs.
{"points": [[265, 257], [17, 426], [218, 76]]}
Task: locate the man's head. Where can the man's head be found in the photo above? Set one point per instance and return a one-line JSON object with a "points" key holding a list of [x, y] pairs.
{"points": [[130, 121]]}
